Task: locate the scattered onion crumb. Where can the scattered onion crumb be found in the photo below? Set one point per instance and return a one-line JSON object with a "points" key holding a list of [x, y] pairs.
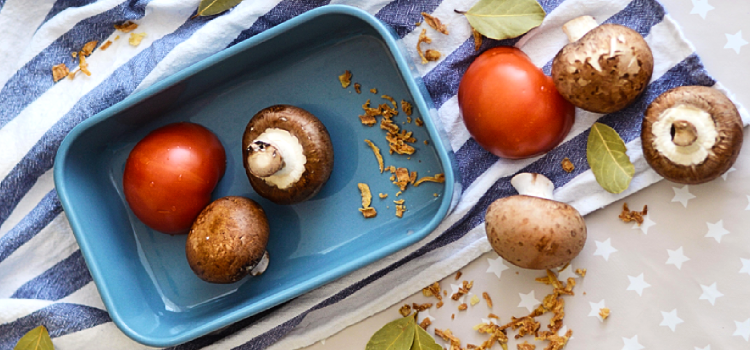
{"points": [[59, 71], [435, 23], [458, 275], [567, 165], [487, 299], [88, 48], [419, 121], [423, 38], [432, 55], [438, 178], [474, 300], [462, 307], [604, 313], [105, 45], [374, 90], [358, 88], [405, 310], [526, 346], [345, 79], [378, 156], [126, 27], [627, 215], [136, 38], [366, 210], [581, 272], [383, 195], [477, 39], [406, 107], [425, 323]]}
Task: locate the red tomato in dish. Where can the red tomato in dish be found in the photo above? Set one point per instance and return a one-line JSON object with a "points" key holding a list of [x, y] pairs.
{"points": [[510, 107], [170, 174]]}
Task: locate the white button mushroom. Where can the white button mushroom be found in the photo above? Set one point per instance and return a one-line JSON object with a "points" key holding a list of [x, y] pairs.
{"points": [[531, 230], [691, 134], [604, 68]]}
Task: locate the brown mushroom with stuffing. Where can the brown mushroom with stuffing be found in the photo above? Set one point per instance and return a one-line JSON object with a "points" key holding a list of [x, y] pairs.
{"points": [[228, 240], [287, 154], [691, 134], [604, 68], [532, 231]]}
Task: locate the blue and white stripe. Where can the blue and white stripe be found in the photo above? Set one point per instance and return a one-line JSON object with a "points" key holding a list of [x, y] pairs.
{"points": [[43, 278]]}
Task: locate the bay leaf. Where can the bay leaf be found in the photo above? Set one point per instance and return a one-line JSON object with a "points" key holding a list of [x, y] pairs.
{"points": [[395, 335], [423, 340], [36, 339], [605, 151], [215, 7], [505, 19]]}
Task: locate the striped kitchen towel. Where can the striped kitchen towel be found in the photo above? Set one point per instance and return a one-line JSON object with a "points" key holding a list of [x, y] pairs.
{"points": [[43, 276]]}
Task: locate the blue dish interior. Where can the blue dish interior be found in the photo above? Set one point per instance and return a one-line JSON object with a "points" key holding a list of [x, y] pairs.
{"points": [[143, 275]]}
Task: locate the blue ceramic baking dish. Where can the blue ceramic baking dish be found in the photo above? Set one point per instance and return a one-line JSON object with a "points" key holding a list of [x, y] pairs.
{"points": [[143, 275]]}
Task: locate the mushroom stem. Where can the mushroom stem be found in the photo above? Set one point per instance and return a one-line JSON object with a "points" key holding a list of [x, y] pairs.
{"points": [[261, 266], [578, 27], [535, 185], [264, 159], [685, 133]]}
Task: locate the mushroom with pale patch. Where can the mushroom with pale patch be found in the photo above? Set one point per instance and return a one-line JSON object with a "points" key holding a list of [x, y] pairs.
{"points": [[531, 230], [691, 134], [287, 154], [228, 240], [604, 68]]}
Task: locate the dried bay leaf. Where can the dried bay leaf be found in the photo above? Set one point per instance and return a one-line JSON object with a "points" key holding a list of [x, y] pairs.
{"points": [[215, 7], [505, 19], [423, 340], [605, 151], [36, 339], [396, 335]]}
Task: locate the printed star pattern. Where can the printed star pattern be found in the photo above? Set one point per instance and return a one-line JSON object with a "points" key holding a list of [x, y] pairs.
{"points": [[676, 258], [496, 266], [638, 284], [632, 343], [710, 293], [604, 249], [566, 273], [708, 347], [670, 319], [701, 7], [528, 301], [735, 42], [726, 173], [716, 231], [647, 223], [745, 266], [682, 195], [743, 329]]}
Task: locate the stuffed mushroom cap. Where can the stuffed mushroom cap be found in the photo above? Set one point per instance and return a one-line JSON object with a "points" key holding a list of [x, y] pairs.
{"points": [[287, 154], [691, 134]]}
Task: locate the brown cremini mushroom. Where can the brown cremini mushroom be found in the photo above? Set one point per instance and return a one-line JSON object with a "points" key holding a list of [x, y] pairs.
{"points": [[604, 68], [228, 240], [532, 231], [691, 134], [287, 154]]}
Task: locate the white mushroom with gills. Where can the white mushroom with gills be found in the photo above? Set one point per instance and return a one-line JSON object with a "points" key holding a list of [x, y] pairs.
{"points": [[691, 134], [228, 240], [287, 154], [604, 68], [531, 230]]}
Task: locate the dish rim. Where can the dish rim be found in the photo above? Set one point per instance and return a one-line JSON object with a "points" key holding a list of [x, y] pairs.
{"points": [[421, 100]]}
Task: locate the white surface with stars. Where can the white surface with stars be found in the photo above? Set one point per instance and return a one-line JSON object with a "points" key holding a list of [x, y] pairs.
{"points": [[681, 280]]}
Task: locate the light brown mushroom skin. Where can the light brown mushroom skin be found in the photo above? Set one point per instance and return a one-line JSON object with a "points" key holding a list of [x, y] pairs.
{"points": [[728, 142], [535, 233], [228, 238], [613, 87], [316, 145]]}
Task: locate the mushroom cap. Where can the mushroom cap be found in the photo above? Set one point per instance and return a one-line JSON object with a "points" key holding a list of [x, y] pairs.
{"points": [[316, 146], [605, 70], [535, 233], [227, 240], [720, 157]]}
